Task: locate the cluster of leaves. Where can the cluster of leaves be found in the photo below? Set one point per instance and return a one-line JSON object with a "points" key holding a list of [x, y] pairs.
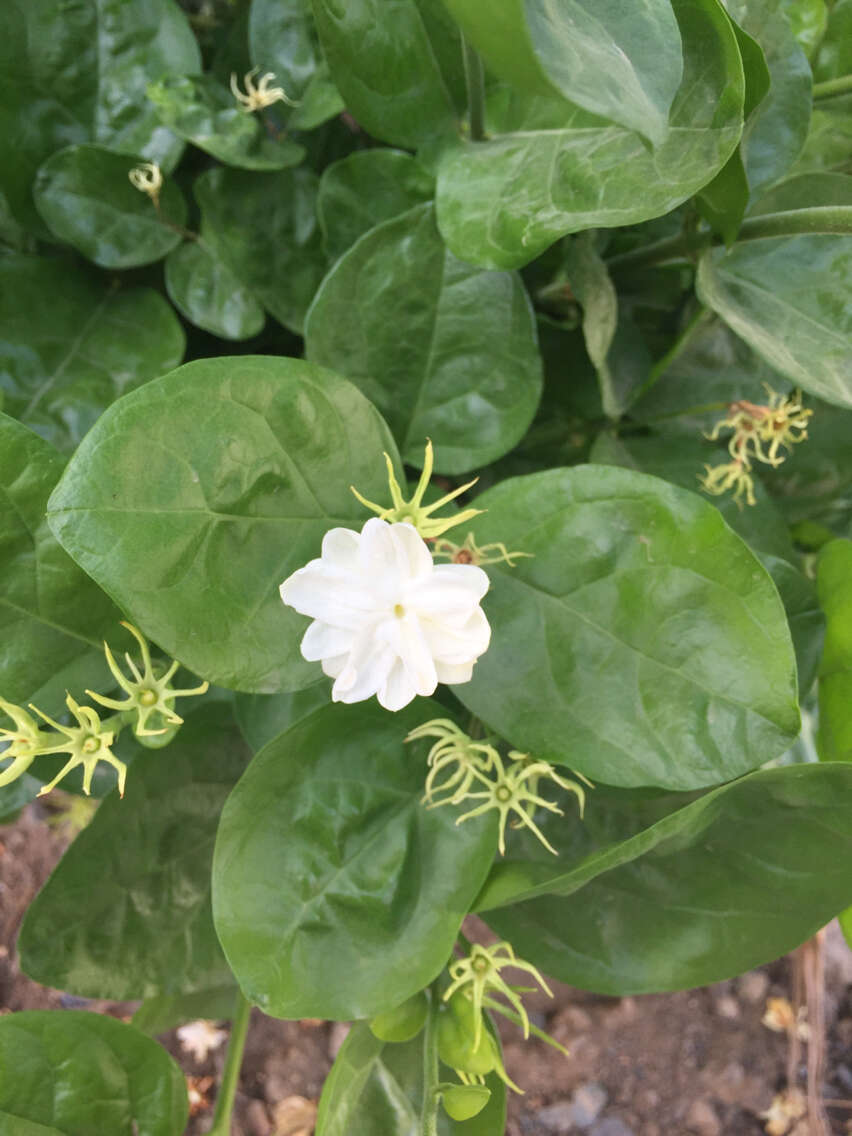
{"points": [[557, 239]]}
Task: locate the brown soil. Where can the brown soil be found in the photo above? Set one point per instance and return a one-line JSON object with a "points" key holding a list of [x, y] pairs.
{"points": [[698, 1062]]}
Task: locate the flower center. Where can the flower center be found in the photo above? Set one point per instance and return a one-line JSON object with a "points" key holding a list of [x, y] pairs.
{"points": [[398, 610], [91, 744], [148, 697], [503, 793]]}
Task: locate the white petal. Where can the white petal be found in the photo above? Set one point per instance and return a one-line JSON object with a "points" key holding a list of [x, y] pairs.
{"points": [[366, 668], [333, 597], [322, 641], [340, 549], [413, 551], [450, 673], [465, 575], [449, 644], [398, 689], [408, 643], [333, 666], [443, 598], [389, 555]]}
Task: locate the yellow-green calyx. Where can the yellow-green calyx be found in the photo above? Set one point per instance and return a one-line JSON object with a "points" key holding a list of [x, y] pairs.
{"points": [[475, 771], [147, 693], [414, 512], [479, 974], [24, 743], [469, 552], [87, 743]]}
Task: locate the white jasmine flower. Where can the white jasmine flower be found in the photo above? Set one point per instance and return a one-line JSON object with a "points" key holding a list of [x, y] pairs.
{"points": [[387, 620]]}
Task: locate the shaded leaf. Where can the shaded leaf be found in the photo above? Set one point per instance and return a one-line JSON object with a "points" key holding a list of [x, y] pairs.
{"points": [[84, 195], [205, 290], [192, 499], [467, 372], [59, 374], [359, 908], [72, 1073], [834, 581], [262, 717]]}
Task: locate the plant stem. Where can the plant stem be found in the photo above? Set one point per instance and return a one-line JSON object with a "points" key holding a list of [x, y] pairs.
{"points": [[701, 317], [840, 86], [231, 1073], [818, 219], [475, 80], [431, 1097]]}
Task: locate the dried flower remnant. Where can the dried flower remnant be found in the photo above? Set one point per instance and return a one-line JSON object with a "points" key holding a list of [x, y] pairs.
{"points": [[148, 179], [258, 95]]}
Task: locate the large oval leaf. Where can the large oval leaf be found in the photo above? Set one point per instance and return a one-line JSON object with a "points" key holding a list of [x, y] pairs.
{"points": [[72, 1073], [386, 57], [85, 196], [642, 643], [193, 498], [81, 77], [60, 373], [147, 928], [790, 298], [52, 616], [205, 290], [466, 373], [693, 898], [551, 169], [621, 61], [359, 907]]}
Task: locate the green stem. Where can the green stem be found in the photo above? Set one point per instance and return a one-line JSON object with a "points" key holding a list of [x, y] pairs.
{"points": [[431, 1095], [475, 80], [840, 86], [818, 219], [681, 343], [231, 1073]]}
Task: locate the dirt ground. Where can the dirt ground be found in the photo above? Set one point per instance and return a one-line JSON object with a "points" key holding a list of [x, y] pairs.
{"points": [[698, 1063]]}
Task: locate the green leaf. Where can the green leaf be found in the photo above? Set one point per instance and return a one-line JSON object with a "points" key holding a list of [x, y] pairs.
{"points": [[283, 40], [834, 582], [551, 169], [193, 498], [637, 597], [834, 57], [692, 899], [815, 484], [166, 1011], [205, 113], [205, 290], [146, 929], [466, 373], [85, 197], [375, 1088], [622, 62], [73, 75], [262, 717], [387, 67], [808, 20], [776, 132], [790, 298], [365, 188], [60, 373], [72, 1073], [264, 228], [845, 918], [722, 202], [360, 906], [52, 616]]}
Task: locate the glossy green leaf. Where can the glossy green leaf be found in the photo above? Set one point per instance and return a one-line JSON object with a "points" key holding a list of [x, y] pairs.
{"points": [[72, 1073], [828, 146], [262, 717], [52, 616], [360, 906], [59, 374], [85, 197], [283, 40], [637, 597], [776, 131], [834, 58], [790, 298], [622, 62], [376, 1089], [834, 581], [205, 290], [72, 75], [808, 19], [264, 228], [388, 68], [166, 1011], [467, 372], [193, 498], [205, 113], [816, 484], [551, 169], [147, 927], [365, 188], [733, 880], [722, 203]]}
